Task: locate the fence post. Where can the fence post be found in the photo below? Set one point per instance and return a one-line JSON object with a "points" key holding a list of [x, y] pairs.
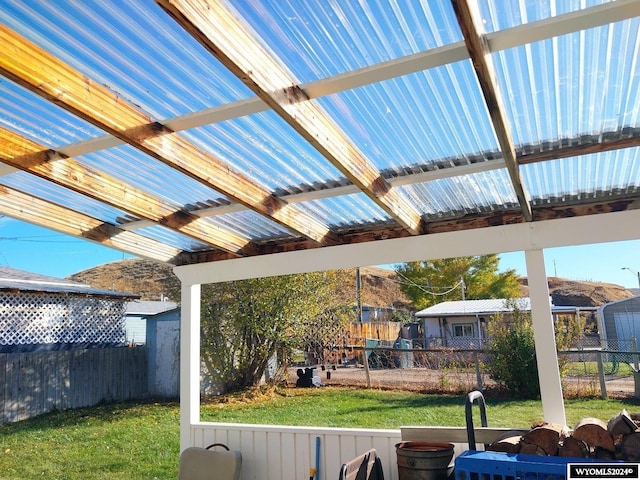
{"points": [[603, 386], [366, 366], [478, 375]]}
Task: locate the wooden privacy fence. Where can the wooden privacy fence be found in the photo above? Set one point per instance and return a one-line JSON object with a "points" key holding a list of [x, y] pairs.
{"points": [[39, 382]]}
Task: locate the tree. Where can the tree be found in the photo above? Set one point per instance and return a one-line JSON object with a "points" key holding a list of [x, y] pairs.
{"points": [[430, 282], [245, 324]]}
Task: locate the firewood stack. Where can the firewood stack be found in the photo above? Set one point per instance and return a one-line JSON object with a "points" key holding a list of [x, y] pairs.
{"points": [[591, 438]]}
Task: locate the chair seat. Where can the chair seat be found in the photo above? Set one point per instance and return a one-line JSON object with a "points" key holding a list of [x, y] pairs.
{"points": [[366, 466], [198, 463]]}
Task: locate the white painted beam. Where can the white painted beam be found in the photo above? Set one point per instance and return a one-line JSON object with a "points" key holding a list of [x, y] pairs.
{"points": [[589, 229], [189, 362], [545, 340]]}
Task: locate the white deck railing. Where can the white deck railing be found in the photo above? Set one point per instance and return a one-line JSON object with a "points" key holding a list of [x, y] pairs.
{"points": [[287, 453]]}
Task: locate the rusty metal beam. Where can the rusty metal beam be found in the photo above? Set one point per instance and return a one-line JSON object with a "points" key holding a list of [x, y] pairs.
{"points": [[480, 54], [42, 73], [225, 38]]}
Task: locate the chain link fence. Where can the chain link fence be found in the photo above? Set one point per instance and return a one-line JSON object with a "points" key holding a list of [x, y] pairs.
{"points": [[587, 371]]}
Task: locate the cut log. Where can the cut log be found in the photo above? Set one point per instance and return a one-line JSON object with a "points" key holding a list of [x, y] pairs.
{"points": [[621, 424], [572, 447], [547, 436], [509, 442], [593, 432], [531, 449], [630, 447]]}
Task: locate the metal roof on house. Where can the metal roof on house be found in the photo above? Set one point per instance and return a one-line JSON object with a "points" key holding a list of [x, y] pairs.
{"points": [[486, 307], [189, 131], [18, 280], [148, 307]]}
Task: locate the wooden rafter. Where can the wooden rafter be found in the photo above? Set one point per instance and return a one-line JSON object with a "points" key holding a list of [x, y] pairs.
{"points": [[31, 209], [225, 38], [37, 70], [36, 159], [480, 55]]}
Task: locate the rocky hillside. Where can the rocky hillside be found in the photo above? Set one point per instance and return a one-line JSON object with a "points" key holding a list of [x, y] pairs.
{"points": [[379, 286]]}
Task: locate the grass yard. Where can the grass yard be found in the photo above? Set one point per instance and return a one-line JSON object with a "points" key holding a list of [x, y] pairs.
{"points": [[141, 440]]}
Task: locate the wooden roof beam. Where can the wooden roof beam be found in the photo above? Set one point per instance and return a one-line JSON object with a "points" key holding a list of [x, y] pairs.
{"points": [[476, 41], [49, 165], [42, 73], [40, 212], [226, 39]]}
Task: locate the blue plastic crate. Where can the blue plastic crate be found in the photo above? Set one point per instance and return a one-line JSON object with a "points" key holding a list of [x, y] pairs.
{"points": [[478, 465]]}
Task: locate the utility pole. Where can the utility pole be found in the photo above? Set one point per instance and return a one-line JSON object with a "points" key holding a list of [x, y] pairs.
{"points": [[462, 286], [358, 297]]}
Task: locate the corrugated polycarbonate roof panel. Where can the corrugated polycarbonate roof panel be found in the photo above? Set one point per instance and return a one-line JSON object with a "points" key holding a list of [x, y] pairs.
{"points": [[141, 171], [587, 176], [25, 182], [267, 150], [253, 226], [39, 120], [346, 211], [173, 238], [416, 119], [318, 39], [479, 192], [133, 48], [572, 85]]}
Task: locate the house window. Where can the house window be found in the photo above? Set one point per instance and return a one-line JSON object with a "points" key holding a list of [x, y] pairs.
{"points": [[463, 330]]}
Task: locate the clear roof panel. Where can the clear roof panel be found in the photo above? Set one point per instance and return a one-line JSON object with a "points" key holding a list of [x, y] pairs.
{"points": [[587, 176], [572, 85], [140, 52], [416, 119], [318, 39], [171, 237], [346, 210], [39, 120], [25, 182], [141, 171], [267, 150], [253, 226], [465, 194]]}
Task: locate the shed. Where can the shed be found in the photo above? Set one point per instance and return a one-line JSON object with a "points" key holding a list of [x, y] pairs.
{"points": [[136, 315], [39, 312], [619, 324], [462, 323], [163, 353]]}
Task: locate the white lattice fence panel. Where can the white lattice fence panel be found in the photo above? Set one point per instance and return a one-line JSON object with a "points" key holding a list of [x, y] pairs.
{"points": [[40, 318]]}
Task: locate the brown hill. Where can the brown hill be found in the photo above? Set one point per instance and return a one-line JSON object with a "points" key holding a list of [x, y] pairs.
{"points": [[152, 281], [579, 294], [379, 286]]}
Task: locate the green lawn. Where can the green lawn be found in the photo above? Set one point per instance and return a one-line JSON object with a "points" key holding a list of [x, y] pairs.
{"points": [[141, 441]]}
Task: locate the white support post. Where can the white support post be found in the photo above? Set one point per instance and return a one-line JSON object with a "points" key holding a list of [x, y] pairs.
{"points": [[545, 340], [189, 362]]}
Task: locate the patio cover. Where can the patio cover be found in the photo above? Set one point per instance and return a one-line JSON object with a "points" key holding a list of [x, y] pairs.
{"points": [[241, 139]]}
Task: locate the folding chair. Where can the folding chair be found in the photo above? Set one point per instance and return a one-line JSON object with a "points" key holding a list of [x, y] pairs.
{"points": [[204, 464], [364, 467]]}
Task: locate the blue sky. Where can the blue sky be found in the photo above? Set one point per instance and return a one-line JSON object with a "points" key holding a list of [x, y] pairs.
{"points": [[34, 249]]}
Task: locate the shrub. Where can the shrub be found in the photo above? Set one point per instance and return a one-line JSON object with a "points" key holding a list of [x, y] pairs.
{"points": [[512, 360]]}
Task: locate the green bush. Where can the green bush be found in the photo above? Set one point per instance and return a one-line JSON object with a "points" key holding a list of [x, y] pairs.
{"points": [[512, 360]]}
